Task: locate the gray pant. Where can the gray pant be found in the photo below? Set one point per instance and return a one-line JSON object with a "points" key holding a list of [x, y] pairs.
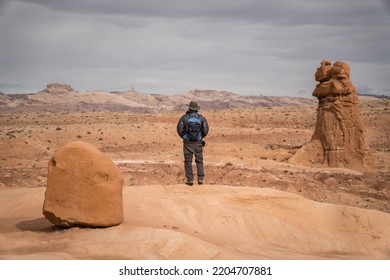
{"points": [[190, 149]]}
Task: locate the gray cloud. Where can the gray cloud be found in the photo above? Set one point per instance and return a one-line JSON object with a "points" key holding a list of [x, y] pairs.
{"points": [[336, 12], [267, 47]]}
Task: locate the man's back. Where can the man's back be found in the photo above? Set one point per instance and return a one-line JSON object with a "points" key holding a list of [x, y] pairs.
{"points": [[192, 128], [192, 122]]}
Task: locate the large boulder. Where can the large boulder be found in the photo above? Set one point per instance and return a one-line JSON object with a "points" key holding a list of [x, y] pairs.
{"points": [[84, 188], [338, 139]]}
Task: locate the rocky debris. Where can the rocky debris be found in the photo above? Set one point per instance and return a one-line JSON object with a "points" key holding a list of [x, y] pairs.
{"points": [[56, 88], [84, 188], [338, 139]]}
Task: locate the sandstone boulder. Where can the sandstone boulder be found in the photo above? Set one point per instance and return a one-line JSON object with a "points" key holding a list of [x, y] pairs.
{"points": [[338, 139], [84, 188]]}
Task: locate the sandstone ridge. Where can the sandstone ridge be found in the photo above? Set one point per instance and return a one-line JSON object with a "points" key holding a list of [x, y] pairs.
{"points": [[63, 98]]}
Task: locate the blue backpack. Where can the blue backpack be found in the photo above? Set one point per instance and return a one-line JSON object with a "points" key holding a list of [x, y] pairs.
{"points": [[193, 129]]}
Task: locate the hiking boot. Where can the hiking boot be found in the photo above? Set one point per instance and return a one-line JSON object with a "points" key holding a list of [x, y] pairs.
{"points": [[200, 183], [189, 183]]}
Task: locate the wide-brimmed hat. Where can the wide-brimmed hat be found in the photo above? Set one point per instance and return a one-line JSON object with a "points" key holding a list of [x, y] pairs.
{"points": [[194, 106]]}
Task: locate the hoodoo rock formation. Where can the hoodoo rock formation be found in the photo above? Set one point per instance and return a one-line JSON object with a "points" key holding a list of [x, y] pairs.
{"points": [[84, 188], [338, 139]]}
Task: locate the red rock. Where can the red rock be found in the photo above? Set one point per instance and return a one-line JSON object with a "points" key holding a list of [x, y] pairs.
{"points": [[338, 139], [84, 188]]}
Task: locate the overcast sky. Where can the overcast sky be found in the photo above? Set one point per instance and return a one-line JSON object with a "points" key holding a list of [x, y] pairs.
{"points": [[256, 47]]}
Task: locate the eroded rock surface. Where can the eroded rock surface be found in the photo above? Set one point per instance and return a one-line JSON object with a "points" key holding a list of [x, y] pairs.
{"points": [[338, 139], [56, 88], [84, 188]]}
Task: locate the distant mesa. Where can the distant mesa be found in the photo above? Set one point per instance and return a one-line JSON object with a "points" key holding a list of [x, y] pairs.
{"points": [[338, 139], [63, 98], [56, 88]]}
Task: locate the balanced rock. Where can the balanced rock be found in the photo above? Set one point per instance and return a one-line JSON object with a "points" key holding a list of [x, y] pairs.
{"points": [[84, 188], [338, 139]]}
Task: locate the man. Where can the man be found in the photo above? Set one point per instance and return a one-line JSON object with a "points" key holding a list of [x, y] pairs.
{"points": [[192, 128]]}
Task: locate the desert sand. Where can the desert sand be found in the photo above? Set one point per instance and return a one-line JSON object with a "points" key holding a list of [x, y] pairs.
{"points": [[210, 222], [255, 203]]}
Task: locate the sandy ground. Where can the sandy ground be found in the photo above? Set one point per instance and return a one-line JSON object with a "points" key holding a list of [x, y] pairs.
{"points": [[255, 203], [208, 222]]}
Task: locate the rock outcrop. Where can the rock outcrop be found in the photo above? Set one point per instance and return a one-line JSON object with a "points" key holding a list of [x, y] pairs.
{"points": [[84, 188], [338, 139], [56, 88]]}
